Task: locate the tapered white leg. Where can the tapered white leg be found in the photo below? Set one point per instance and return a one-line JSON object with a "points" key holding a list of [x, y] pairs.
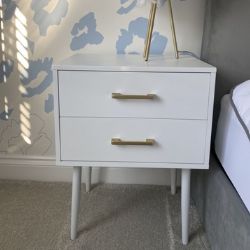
{"points": [[88, 171], [173, 180], [185, 199], [76, 189]]}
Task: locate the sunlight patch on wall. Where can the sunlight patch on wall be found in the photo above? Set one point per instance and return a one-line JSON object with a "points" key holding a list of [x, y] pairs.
{"points": [[21, 43], [25, 124], [23, 66], [22, 90], [6, 108]]}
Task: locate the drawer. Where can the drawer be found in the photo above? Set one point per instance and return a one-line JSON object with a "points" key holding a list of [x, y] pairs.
{"points": [[175, 141], [175, 95]]}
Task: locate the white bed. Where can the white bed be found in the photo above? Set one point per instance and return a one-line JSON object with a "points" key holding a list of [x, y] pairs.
{"points": [[232, 146]]}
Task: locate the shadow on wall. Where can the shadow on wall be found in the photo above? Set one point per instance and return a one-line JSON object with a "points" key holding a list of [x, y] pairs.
{"points": [[226, 44], [21, 134], [25, 81]]}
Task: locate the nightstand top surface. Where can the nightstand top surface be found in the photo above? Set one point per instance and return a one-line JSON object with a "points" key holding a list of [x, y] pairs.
{"points": [[133, 63]]}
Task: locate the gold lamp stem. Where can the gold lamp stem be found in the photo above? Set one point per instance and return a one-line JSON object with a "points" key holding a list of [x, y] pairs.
{"points": [[151, 27], [171, 16], [150, 30]]}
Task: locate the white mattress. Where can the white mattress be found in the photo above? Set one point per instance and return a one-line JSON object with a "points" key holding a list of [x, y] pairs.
{"points": [[232, 146]]}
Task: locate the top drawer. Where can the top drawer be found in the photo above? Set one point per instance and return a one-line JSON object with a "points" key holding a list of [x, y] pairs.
{"points": [[176, 95]]}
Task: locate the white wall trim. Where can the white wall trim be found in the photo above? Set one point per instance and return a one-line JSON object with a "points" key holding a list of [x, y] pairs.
{"points": [[27, 160], [43, 168]]}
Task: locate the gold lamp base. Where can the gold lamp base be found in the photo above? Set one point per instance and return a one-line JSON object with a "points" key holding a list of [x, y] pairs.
{"points": [[151, 27]]}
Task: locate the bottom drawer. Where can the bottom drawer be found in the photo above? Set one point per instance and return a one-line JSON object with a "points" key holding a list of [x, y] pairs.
{"points": [[172, 141]]}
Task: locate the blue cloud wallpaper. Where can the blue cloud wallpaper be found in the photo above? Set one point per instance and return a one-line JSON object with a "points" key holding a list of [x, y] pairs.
{"points": [[9, 7], [6, 68], [138, 27], [5, 115], [36, 67], [37, 33], [84, 32], [49, 104], [45, 19], [126, 6]]}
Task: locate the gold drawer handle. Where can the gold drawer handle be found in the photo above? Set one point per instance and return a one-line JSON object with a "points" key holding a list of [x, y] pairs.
{"points": [[118, 141], [124, 96]]}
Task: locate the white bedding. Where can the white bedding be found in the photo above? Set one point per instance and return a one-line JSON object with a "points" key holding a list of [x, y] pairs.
{"points": [[232, 147]]}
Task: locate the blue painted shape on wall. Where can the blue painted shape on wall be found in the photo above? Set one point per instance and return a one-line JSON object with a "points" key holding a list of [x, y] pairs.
{"points": [[45, 19], [49, 104], [124, 10], [36, 67], [5, 115], [31, 45], [84, 32], [158, 43], [9, 7], [6, 67], [138, 27]]}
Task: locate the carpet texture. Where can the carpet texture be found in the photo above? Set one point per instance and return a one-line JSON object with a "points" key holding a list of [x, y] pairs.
{"points": [[35, 215]]}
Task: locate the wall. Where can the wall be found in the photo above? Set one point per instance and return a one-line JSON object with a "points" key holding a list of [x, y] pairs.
{"points": [[36, 34], [226, 46]]}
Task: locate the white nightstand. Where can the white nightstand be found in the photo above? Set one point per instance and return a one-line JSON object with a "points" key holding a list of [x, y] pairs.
{"points": [[123, 112]]}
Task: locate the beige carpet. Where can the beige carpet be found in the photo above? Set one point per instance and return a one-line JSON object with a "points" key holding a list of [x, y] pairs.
{"points": [[35, 215]]}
